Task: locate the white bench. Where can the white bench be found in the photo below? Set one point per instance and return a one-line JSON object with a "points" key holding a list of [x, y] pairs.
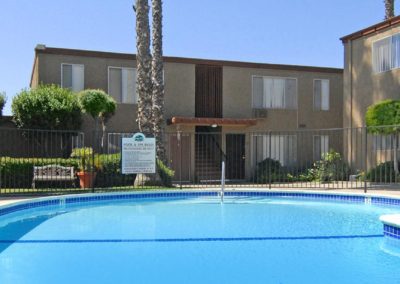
{"points": [[53, 173]]}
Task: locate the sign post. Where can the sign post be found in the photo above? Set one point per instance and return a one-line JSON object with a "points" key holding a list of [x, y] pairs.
{"points": [[138, 155]]}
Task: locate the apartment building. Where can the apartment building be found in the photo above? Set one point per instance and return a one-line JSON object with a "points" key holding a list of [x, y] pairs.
{"points": [[238, 102], [371, 74]]}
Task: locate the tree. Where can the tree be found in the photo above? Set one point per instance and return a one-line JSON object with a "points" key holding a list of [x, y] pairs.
{"points": [[158, 80], [3, 100], [384, 118], [143, 58], [47, 107], [100, 106], [389, 9]]}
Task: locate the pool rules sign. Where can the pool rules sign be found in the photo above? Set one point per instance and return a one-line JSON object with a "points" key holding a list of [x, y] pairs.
{"points": [[138, 155]]}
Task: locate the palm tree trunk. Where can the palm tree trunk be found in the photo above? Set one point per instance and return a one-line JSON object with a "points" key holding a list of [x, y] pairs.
{"points": [[158, 80], [144, 84], [389, 9], [395, 159]]}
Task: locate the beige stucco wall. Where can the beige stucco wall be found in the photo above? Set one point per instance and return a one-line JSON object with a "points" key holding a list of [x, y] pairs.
{"points": [[362, 84], [362, 88], [179, 86], [237, 99], [180, 99]]}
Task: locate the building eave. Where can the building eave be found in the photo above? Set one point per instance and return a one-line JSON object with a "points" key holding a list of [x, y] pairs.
{"points": [[172, 59], [372, 29]]}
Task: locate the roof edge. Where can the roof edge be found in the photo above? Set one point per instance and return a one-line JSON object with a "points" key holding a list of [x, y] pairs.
{"points": [[372, 29], [172, 59]]}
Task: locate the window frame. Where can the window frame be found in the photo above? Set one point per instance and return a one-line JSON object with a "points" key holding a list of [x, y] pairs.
{"points": [[320, 141], [265, 137], [329, 94], [275, 77], [62, 74], [373, 54], [108, 82]]}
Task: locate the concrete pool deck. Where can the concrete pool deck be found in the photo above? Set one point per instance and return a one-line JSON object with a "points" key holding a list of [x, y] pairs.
{"points": [[394, 193]]}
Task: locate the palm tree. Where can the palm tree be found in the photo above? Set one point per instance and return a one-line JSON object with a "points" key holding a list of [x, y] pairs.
{"points": [[143, 58], [158, 80], [389, 9]]}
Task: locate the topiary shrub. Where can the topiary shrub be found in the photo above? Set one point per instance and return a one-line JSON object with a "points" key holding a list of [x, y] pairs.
{"points": [[384, 118], [47, 107]]}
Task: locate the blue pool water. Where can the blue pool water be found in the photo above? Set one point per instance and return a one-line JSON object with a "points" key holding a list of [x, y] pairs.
{"points": [[198, 240]]}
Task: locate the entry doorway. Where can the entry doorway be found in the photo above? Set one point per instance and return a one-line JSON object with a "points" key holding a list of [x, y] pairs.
{"points": [[235, 156]]}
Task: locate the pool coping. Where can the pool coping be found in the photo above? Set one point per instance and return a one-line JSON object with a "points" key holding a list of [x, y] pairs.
{"points": [[369, 198]]}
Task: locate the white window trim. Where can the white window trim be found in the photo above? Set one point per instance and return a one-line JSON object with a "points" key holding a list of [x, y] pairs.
{"points": [[108, 80], [373, 54], [265, 137], [62, 64], [276, 77], [329, 101]]}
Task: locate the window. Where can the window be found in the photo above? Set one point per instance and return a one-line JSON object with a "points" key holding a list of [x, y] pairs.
{"points": [[274, 93], [283, 148], [386, 54], [321, 94], [320, 146], [72, 77], [122, 84]]}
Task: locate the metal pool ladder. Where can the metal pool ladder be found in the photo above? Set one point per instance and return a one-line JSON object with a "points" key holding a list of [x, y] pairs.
{"points": [[222, 181]]}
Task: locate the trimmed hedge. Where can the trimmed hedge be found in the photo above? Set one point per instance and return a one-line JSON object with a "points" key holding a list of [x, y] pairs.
{"points": [[109, 171], [18, 172]]}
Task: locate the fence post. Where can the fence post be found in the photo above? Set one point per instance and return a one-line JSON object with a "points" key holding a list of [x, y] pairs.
{"points": [[270, 160], [179, 136], [94, 146], [365, 158]]}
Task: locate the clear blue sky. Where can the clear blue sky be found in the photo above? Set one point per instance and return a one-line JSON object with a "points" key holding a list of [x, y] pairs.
{"points": [[301, 32]]}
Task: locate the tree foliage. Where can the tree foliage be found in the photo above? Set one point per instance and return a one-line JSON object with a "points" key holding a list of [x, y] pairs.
{"points": [[47, 107], [99, 105], [93, 102], [3, 100], [383, 117]]}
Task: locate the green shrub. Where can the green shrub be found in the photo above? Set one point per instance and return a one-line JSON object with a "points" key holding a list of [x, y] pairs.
{"points": [[18, 172], [109, 171], [47, 107], [330, 168], [3, 100], [383, 172], [165, 173], [84, 157], [270, 170], [384, 113]]}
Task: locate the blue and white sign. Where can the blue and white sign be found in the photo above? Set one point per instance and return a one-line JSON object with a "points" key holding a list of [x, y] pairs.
{"points": [[138, 155]]}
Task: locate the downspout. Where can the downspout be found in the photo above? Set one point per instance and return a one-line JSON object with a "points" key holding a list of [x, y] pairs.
{"points": [[351, 103]]}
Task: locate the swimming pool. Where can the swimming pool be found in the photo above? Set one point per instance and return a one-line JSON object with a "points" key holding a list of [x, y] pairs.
{"points": [[180, 237]]}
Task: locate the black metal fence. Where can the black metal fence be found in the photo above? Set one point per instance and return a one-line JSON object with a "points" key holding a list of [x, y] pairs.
{"points": [[55, 161]]}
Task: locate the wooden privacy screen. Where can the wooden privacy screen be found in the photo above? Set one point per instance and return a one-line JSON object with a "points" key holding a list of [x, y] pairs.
{"points": [[208, 91]]}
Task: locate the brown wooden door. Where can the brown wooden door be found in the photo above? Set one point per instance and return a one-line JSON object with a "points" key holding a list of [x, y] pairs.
{"points": [[208, 92], [179, 155], [235, 156]]}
